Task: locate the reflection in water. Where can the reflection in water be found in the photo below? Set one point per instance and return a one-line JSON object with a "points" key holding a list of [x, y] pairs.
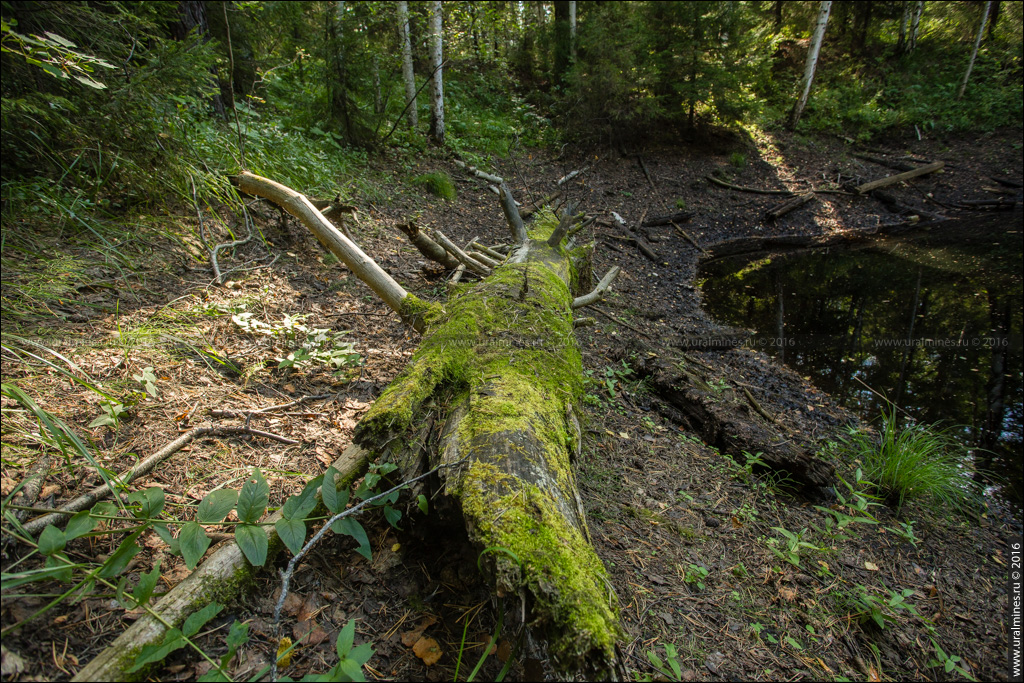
{"points": [[934, 327]]}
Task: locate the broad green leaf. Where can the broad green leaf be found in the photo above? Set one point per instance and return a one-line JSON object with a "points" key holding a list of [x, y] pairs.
{"points": [[334, 499], [292, 532], [79, 525], [350, 527], [253, 542], [361, 654], [298, 507], [156, 653], [216, 506], [346, 637], [351, 669], [146, 585], [253, 499], [150, 502], [421, 500], [51, 540], [197, 620], [392, 515], [193, 542], [120, 558], [164, 532], [59, 562], [214, 675], [237, 636]]}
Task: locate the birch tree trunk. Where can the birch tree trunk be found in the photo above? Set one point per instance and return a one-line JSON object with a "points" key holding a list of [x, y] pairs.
{"points": [[408, 76], [974, 52], [901, 43], [812, 62], [437, 81], [914, 26], [572, 29]]}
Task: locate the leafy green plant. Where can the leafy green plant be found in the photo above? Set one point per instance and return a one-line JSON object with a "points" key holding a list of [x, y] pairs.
{"points": [[949, 663], [905, 530], [916, 462], [794, 544], [867, 607], [738, 159], [669, 667], [147, 378], [695, 575], [437, 183], [112, 412], [681, 204], [855, 502]]}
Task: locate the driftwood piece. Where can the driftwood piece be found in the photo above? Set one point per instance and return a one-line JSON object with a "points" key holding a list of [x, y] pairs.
{"points": [[224, 575], [642, 244], [428, 247], [678, 217], [143, 468], [741, 188], [900, 177], [787, 206]]}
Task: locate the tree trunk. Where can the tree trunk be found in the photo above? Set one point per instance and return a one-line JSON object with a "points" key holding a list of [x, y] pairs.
{"points": [[501, 370], [338, 86], [408, 77], [778, 15], [572, 30], [812, 62], [974, 52], [563, 41], [901, 43], [192, 15], [437, 81], [993, 18], [915, 24]]}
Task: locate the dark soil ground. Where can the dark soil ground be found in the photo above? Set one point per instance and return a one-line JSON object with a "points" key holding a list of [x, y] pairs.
{"points": [[686, 532]]}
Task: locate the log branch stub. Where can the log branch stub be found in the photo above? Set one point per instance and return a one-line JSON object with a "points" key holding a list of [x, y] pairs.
{"points": [[471, 263], [598, 292], [508, 206], [428, 247], [788, 205]]}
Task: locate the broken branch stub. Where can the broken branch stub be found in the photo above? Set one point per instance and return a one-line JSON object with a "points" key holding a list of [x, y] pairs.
{"points": [[515, 221]]}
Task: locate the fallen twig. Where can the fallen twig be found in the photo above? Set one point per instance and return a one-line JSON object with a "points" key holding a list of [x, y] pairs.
{"points": [[143, 468], [741, 188]]}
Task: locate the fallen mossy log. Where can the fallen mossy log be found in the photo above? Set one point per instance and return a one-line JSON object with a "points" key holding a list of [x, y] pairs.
{"points": [[220, 578], [499, 367], [731, 422], [504, 359]]}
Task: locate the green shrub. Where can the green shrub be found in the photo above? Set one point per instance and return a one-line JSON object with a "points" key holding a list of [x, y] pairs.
{"points": [[437, 183], [916, 462]]}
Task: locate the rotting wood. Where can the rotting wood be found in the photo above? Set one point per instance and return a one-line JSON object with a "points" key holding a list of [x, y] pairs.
{"points": [[483, 175], [528, 211], [643, 167], [508, 206], [741, 188], [900, 177], [895, 205], [757, 406], [569, 176], [476, 244], [32, 484], [896, 164], [220, 578], [1008, 182], [787, 206], [143, 468]]}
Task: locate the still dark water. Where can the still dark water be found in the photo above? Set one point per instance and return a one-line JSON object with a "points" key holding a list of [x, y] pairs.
{"points": [[931, 322]]}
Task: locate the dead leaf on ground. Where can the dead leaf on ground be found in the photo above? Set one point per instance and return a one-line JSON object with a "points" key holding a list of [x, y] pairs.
{"points": [[409, 638], [309, 607], [428, 650], [871, 566], [504, 650], [11, 663], [292, 604], [308, 632], [787, 594]]}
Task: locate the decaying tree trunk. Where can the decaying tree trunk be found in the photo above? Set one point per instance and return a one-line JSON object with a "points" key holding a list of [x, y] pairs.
{"points": [[500, 369]]}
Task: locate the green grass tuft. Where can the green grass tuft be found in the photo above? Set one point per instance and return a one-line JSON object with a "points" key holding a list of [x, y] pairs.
{"points": [[436, 183], [917, 462]]}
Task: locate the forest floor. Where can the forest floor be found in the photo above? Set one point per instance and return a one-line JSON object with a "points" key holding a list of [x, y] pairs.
{"points": [[685, 531]]}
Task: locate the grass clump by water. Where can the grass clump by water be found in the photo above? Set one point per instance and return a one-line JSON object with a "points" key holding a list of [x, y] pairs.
{"points": [[437, 183], [917, 462]]}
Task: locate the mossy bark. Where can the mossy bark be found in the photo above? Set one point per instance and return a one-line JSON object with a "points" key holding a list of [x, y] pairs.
{"points": [[504, 359]]}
